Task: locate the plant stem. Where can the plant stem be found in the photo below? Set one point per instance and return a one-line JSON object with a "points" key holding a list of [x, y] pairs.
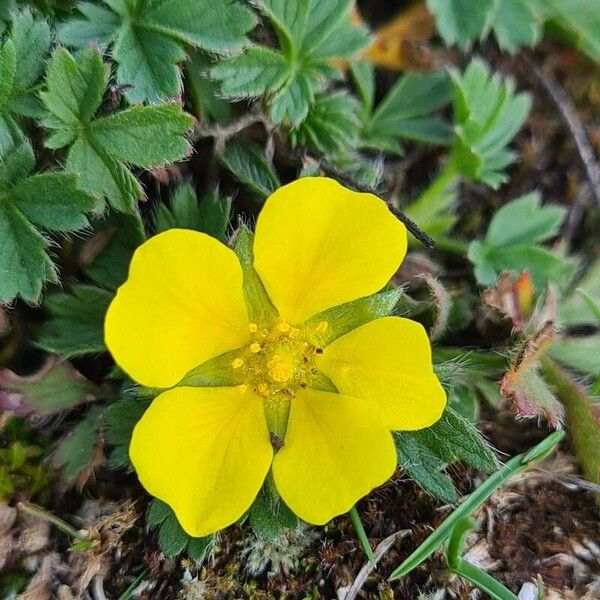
{"points": [[40, 513], [362, 535], [437, 197]]}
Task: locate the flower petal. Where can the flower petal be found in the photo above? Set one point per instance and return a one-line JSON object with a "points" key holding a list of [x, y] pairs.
{"points": [[335, 451], [181, 305], [205, 452], [318, 244], [388, 361]]}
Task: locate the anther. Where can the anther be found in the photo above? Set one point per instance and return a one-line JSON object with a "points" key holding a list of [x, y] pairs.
{"points": [[237, 363], [243, 388], [284, 326], [255, 347], [319, 350], [253, 327]]}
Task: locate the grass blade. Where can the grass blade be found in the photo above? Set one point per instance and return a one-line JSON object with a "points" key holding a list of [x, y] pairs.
{"points": [[362, 536]]}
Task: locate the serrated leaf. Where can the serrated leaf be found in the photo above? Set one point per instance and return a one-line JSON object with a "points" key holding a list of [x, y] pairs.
{"points": [[574, 310], [119, 420], [331, 126], [424, 466], [157, 512], [248, 164], [511, 244], [462, 22], [57, 386], [75, 452], [172, 539], [208, 105], [76, 325], [311, 35], [102, 147], [50, 201], [405, 113], [487, 115], [150, 37], [210, 216]]}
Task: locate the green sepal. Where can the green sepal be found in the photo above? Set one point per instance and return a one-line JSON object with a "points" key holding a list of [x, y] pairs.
{"points": [[269, 516], [260, 309], [347, 317], [216, 372]]}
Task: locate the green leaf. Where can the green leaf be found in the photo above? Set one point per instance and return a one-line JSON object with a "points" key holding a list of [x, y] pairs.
{"points": [[108, 254], [511, 243], [157, 513], [579, 353], [525, 221], [487, 115], [269, 516], [101, 148], [203, 90], [574, 310], [462, 22], [248, 164], [405, 113], [172, 539], [149, 38], [578, 21], [210, 216], [311, 35], [331, 126], [424, 466], [57, 386], [76, 451], [22, 61], [119, 420], [76, 325], [50, 201]]}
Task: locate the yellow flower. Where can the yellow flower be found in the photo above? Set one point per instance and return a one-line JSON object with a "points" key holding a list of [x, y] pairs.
{"points": [[318, 415]]}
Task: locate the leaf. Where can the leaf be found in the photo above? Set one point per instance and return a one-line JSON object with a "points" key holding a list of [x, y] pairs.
{"points": [[511, 244], [269, 516], [203, 90], [101, 148], [247, 163], [525, 221], [424, 466], [48, 201], [105, 256], [578, 353], [57, 386], [149, 38], [462, 22], [22, 61], [574, 310], [577, 20], [76, 325], [405, 113], [487, 115], [426, 452], [331, 126], [75, 452], [172, 539], [119, 420], [210, 216], [311, 36]]}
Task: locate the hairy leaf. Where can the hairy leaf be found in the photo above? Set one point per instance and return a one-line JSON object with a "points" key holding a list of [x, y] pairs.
{"points": [[150, 37]]}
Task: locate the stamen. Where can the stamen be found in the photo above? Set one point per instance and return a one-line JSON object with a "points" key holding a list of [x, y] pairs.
{"points": [[237, 363], [243, 388], [284, 326], [253, 327], [255, 347]]}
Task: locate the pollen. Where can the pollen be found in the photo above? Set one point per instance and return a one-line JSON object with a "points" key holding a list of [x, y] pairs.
{"points": [[237, 363], [252, 327], [255, 347]]}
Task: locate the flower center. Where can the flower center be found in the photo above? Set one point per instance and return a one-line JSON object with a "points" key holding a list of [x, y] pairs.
{"points": [[278, 360]]}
